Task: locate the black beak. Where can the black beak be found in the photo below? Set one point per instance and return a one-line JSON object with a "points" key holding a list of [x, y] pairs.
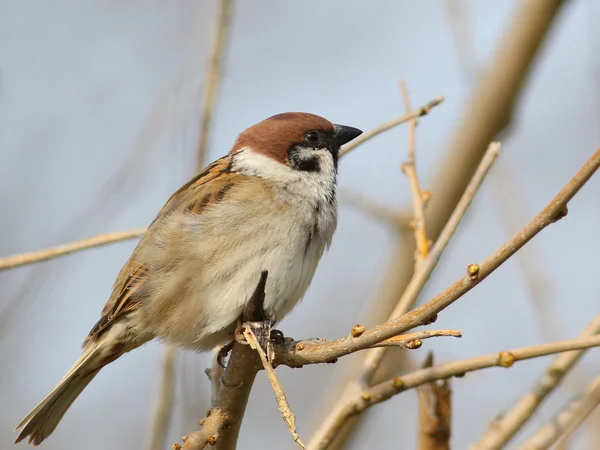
{"points": [[343, 134]]}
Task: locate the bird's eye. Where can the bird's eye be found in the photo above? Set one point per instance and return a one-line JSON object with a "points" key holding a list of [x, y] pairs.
{"points": [[312, 136]]}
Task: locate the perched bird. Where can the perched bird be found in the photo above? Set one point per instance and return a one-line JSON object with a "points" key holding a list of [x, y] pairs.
{"points": [[270, 204]]}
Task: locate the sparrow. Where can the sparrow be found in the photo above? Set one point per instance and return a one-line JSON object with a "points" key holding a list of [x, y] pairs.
{"points": [[268, 205]]}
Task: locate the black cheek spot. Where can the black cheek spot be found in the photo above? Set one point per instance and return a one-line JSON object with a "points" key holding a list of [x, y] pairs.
{"points": [[308, 165]]}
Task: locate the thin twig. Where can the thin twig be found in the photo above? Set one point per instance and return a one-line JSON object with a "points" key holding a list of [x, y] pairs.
{"points": [[418, 198], [313, 352], [435, 413], [215, 375], [328, 351], [488, 112], [22, 259], [162, 412], [11, 262], [389, 388], [371, 208], [412, 340], [501, 430], [213, 78], [288, 416], [566, 420], [532, 268], [417, 283], [421, 111]]}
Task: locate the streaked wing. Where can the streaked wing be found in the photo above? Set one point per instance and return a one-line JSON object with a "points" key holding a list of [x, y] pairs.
{"points": [[207, 188]]}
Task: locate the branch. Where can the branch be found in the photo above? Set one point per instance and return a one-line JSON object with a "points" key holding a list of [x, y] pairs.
{"points": [[22, 259], [503, 429], [493, 103], [318, 352], [288, 417], [566, 420], [389, 388], [162, 413], [413, 340], [11, 262], [329, 351], [419, 112], [373, 358], [371, 208], [435, 413], [221, 427], [418, 197], [213, 77]]}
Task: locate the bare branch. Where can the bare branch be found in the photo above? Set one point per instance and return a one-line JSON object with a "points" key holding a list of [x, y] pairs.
{"points": [[387, 389], [435, 413], [11, 262], [288, 417], [371, 208], [422, 111], [213, 78], [22, 259], [162, 412], [566, 420], [328, 351], [489, 111], [221, 427], [413, 340], [502, 430], [313, 352], [418, 197], [415, 286]]}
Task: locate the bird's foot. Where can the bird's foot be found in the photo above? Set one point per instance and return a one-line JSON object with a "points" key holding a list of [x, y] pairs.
{"points": [[223, 352]]}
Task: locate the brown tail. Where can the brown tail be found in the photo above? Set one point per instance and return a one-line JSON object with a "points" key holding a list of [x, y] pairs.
{"points": [[44, 418]]}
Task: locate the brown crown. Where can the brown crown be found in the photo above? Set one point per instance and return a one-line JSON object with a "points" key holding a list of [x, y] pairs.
{"points": [[277, 134]]}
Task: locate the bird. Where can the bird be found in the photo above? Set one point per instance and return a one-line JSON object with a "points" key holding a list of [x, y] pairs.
{"points": [[268, 205]]}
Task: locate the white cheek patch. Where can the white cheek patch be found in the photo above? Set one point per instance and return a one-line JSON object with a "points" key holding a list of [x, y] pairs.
{"points": [[252, 163], [316, 185]]}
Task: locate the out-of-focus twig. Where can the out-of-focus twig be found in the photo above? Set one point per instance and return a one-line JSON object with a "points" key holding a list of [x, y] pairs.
{"points": [[22, 259], [501, 430], [532, 267], [213, 78], [371, 207], [373, 358], [387, 389], [566, 420], [457, 12], [435, 413], [326, 351], [11, 262], [421, 111], [489, 111], [418, 197], [162, 412]]}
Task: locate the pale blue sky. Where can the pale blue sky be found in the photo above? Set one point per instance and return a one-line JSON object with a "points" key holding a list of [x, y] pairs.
{"points": [[99, 108]]}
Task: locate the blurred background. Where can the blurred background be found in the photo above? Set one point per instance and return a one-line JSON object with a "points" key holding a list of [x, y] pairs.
{"points": [[100, 107]]}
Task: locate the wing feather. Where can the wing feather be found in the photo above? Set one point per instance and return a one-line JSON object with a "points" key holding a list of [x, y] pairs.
{"points": [[207, 188]]}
